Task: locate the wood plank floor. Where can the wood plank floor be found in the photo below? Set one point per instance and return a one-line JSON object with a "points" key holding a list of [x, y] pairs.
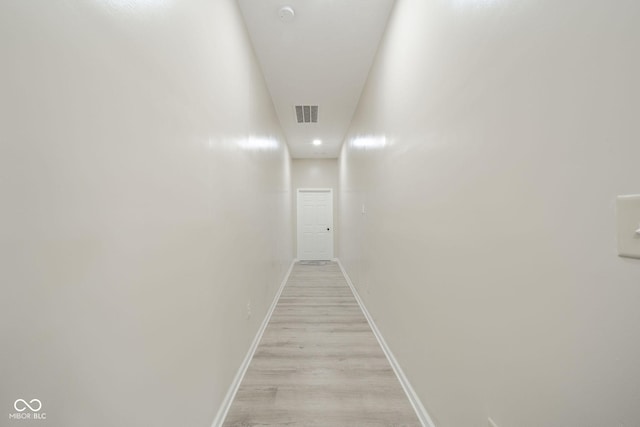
{"points": [[318, 363]]}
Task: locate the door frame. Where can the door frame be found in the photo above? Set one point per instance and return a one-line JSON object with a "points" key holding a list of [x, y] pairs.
{"points": [[299, 214]]}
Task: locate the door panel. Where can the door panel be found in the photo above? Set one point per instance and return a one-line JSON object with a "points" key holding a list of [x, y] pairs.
{"points": [[315, 224]]}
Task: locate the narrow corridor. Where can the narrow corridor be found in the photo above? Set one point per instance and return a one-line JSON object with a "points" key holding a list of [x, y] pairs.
{"points": [[318, 362], [473, 167]]}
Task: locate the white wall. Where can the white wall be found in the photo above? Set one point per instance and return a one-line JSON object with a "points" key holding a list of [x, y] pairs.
{"points": [[315, 173], [487, 253], [145, 194]]}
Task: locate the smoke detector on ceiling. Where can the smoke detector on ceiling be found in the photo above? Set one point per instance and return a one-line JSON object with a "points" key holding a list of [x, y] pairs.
{"points": [[286, 14]]}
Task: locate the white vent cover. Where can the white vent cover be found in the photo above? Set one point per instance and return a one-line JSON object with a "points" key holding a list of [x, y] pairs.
{"points": [[307, 113]]}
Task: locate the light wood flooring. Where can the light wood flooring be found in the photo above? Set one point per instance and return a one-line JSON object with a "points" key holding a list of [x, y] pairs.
{"points": [[318, 363]]}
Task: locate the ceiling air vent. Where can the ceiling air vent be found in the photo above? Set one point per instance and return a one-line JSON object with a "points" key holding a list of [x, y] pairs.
{"points": [[307, 113]]}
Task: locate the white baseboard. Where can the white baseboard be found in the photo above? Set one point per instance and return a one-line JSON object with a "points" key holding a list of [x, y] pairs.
{"points": [[233, 389], [421, 412]]}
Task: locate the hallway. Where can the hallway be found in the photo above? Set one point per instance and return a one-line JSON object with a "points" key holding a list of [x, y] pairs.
{"points": [[318, 362], [472, 166]]}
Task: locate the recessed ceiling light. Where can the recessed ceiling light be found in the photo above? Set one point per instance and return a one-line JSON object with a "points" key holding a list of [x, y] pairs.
{"points": [[317, 142]]}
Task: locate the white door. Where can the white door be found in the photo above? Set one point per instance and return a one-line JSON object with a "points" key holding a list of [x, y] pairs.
{"points": [[315, 224]]}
